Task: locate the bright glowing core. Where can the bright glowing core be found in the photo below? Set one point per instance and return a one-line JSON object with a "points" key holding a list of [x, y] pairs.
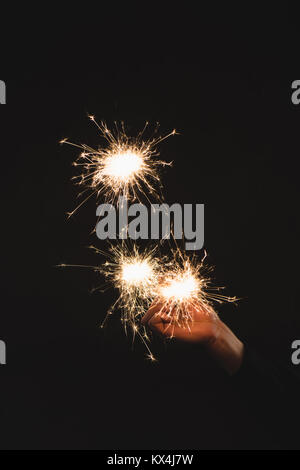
{"points": [[123, 166], [181, 288], [137, 272]]}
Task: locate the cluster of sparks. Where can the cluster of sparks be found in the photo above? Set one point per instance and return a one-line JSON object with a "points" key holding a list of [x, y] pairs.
{"points": [[126, 166], [176, 283], [134, 274]]}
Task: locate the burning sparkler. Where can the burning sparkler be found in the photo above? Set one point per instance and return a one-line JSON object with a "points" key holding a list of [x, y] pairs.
{"points": [[127, 166], [187, 286], [178, 284], [134, 274]]}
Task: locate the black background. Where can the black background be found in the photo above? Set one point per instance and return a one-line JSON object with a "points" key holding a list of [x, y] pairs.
{"points": [[222, 78]]}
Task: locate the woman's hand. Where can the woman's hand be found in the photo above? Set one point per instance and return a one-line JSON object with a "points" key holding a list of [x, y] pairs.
{"points": [[204, 327]]}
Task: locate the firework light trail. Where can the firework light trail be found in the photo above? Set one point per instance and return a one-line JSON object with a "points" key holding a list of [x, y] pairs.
{"points": [[126, 166], [177, 283]]}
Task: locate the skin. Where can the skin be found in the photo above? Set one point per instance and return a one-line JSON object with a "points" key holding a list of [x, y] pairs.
{"points": [[205, 328]]}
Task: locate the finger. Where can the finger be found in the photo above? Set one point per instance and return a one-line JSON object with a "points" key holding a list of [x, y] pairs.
{"points": [[163, 328], [155, 308], [165, 318], [170, 330], [158, 320]]}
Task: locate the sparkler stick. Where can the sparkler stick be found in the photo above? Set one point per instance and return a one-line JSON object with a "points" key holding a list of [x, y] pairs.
{"points": [[127, 166]]}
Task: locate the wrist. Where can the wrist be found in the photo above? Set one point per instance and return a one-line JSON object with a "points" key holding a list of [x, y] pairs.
{"points": [[225, 347]]}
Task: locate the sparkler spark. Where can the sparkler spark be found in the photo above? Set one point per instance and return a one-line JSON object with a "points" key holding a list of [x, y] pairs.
{"points": [[182, 287], [134, 274], [126, 166], [186, 286]]}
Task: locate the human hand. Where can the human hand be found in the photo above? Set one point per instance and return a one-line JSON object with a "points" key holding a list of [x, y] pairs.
{"points": [[204, 327]]}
